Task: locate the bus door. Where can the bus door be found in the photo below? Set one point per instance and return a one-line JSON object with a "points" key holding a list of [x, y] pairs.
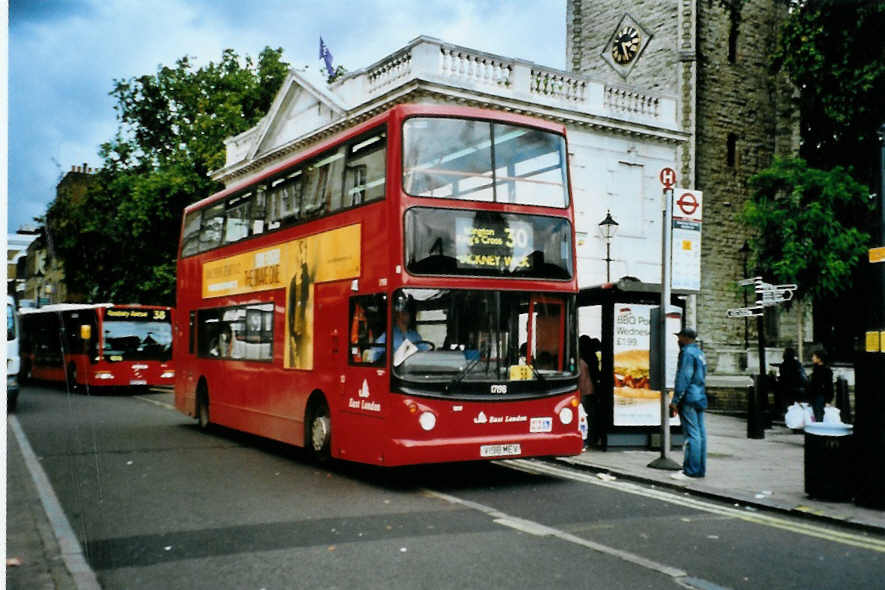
{"points": [[364, 392], [48, 350]]}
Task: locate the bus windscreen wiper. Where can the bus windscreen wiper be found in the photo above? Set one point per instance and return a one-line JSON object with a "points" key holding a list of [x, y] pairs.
{"points": [[460, 376]]}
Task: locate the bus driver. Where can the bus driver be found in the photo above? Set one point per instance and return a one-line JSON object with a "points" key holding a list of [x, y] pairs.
{"points": [[403, 328]]}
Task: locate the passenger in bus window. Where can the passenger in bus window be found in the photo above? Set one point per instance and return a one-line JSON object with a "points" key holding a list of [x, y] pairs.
{"points": [[223, 344]]}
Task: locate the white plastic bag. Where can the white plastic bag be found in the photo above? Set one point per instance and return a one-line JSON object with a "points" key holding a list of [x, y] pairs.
{"points": [[795, 417], [832, 415], [809, 413]]}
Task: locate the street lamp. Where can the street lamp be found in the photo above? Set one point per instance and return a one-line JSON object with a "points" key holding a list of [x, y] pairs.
{"points": [[608, 227]]}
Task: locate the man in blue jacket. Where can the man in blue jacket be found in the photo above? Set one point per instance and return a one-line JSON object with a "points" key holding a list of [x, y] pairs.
{"points": [[690, 400]]}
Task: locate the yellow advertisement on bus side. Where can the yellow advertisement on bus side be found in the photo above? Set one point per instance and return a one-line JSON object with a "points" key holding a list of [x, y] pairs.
{"points": [[330, 256]]}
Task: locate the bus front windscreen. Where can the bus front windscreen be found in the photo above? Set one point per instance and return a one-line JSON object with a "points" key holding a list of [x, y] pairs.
{"points": [[131, 340], [476, 160], [454, 337]]}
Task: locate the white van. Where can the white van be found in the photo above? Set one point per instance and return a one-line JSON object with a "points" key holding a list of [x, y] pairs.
{"points": [[13, 361]]}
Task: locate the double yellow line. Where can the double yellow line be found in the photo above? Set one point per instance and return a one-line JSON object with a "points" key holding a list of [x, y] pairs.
{"points": [[812, 530]]}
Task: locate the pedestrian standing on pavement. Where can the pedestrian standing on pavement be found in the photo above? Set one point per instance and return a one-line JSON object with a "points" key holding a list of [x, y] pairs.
{"points": [[585, 384], [791, 381], [588, 383], [690, 401], [821, 386]]}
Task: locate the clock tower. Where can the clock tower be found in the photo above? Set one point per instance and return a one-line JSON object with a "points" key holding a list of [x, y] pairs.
{"points": [[713, 57]]}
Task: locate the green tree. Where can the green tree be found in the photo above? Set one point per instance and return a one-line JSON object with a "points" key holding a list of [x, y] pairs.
{"points": [[804, 230], [119, 242], [806, 226], [834, 53]]}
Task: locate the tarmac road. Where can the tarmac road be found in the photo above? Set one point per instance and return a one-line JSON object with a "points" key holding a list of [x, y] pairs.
{"points": [[155, 503]]}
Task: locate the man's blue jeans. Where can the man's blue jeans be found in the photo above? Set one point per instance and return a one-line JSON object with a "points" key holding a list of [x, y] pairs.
{"points": [[695, 445]]}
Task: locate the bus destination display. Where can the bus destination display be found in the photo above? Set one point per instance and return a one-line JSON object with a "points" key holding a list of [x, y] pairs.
{"points": [[487, 243]]}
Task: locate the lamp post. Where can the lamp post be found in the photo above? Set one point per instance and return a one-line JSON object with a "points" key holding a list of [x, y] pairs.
{"points": [[608, 227]]}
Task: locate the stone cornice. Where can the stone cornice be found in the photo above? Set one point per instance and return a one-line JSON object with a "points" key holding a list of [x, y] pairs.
{"points": [[418, 90]]}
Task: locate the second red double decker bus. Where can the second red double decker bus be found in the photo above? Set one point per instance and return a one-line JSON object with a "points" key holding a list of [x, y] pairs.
{"points": [[402, 293], [98, 346]]}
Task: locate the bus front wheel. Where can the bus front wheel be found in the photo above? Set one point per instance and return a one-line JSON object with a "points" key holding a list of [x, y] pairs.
{"points": [[319, 435]]}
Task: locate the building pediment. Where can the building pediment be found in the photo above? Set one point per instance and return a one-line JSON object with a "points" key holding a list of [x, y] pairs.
{"points": [[298, 110], [429, 70]]}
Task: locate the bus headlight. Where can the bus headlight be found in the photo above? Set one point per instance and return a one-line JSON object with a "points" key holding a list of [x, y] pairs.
{"points": [[104, 375], [566, 415], [427, 420], [167, 375]]}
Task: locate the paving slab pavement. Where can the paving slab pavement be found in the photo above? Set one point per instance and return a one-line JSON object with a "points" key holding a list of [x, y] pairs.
{"points": [[34, 557], [767, 473]]}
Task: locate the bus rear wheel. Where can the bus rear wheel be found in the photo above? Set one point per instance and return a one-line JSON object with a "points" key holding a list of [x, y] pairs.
{"points": [[203, 409], [319, 431]]}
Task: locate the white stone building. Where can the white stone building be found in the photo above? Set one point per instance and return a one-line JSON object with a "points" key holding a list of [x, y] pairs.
{"points": [[619, 138]]}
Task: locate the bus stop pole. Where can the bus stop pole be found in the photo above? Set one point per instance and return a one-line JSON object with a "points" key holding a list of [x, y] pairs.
{"points": [[664, 461]]}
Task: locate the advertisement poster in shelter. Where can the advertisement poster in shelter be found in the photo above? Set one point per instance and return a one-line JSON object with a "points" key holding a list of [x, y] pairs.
{"points": [[635, 404]]}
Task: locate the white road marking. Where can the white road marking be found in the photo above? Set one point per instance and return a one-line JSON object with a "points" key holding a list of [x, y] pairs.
{"points": [[536, 528], [844, 537], [155, 402], [71, 551]]}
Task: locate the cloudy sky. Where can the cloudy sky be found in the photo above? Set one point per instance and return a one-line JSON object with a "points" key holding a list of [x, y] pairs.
{"points": [[65, 54]]}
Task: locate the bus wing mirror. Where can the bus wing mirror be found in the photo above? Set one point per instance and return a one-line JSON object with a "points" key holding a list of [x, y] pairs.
{"points": [[85, 332]]}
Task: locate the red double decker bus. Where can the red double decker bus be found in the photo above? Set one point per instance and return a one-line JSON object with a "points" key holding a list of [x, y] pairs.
{"points": [[402, 293], [98, 346]]}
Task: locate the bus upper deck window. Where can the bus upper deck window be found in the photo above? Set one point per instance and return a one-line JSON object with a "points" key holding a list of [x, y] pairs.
{"points": [[190, 240], [212, 227]]}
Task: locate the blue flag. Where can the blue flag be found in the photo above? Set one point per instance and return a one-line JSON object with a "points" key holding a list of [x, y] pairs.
{"points": [[326, 56]]}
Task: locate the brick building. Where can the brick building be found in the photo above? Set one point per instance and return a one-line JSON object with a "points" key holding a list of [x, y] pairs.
{"points": [[41, 276], [712, 56]]}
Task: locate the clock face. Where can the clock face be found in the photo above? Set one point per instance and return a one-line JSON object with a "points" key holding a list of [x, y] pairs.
{"points": [[625, 45]]}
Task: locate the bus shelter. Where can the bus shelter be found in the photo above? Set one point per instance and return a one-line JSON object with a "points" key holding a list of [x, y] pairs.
{"points": [[624, 316]]}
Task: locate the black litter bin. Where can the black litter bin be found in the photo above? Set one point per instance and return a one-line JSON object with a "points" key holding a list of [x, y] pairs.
{"points": [[829, 462]]}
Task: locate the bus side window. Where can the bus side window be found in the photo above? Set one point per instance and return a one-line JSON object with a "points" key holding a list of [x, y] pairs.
{"points": [[368, 315], [258, 207], [283, 201], [211, 227], [259, 332], [190, 239], [322, 184], [236, 223], [208, 328], [365, 175], [334, 188], [235, 318]]}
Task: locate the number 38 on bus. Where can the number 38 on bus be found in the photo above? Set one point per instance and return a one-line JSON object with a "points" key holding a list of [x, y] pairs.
{"points": [[401, 293]]}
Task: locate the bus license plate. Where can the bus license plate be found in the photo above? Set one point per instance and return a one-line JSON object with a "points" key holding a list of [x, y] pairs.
{"points": [[544, 424], [499, 450], [138, 382]]}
